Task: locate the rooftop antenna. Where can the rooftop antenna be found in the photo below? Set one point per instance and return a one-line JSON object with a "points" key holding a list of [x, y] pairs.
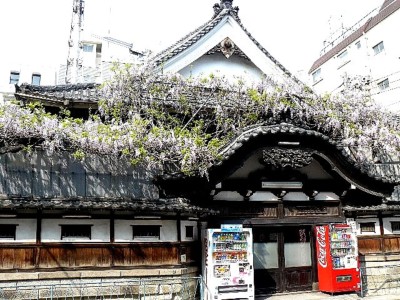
{"points": [[73, 73], [109, 20]]}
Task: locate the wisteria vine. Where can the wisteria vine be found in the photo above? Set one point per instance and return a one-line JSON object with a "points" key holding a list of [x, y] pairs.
{"points": [[167, 120]]}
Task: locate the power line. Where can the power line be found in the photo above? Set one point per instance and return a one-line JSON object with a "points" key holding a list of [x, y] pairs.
{"points": [[390, 83], [344, 34], [394, 103], [386, 76], [387, 90]]}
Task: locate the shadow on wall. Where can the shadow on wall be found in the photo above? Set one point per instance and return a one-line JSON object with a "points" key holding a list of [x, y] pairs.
{"points": [[41, 174]]}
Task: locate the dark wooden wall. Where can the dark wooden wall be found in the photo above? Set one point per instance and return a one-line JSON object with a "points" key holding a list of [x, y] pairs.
{"points": [[379, 244], [82, 256]]}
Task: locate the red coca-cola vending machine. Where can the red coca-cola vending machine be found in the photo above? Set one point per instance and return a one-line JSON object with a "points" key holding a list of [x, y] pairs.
{"points": [[337, 255]]}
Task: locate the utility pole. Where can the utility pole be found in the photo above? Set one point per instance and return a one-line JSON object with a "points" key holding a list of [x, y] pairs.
{"points": [[73, 73]]}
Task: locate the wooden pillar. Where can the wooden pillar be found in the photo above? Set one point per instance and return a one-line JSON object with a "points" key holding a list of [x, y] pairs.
{"points": [[112, 237], [182, 248], [38, 237], [382, 239], [314, 260]]}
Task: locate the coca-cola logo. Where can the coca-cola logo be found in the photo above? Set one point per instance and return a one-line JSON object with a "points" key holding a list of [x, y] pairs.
{"points": [[321, 240]]}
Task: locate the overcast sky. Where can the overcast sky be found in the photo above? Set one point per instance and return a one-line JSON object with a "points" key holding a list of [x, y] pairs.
{"points": [[293, 31]]}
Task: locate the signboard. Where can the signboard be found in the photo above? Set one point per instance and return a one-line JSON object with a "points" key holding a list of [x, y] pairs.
{"points": [[231, 227]]}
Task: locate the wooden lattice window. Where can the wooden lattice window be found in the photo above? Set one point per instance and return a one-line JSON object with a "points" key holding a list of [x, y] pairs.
{"points": [[367, 227], [8, 231], [189, 232], [146, 231], [395, 226], [81, 231]]}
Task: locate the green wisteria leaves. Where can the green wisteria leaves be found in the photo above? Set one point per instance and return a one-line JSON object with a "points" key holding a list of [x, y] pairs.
{"points": [[165, 120]]}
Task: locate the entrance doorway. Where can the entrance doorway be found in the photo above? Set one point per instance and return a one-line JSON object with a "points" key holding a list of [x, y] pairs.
{"points": [[282, 259]]}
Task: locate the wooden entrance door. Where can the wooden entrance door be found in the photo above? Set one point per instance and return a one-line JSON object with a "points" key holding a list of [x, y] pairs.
{"points": [[282, 259]]}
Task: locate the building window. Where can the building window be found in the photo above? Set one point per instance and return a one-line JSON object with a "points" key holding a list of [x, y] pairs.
{"points": [[87, 48], [358, 45], [384, 84], [395, 226], [189, 232], [36, 78], [81, 231], [8, 231], [146, 231], [14, 77], [316, 75], [342, 56], [368, 227], [378, 48]]}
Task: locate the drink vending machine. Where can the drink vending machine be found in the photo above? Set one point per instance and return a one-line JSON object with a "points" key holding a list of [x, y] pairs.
{"points": [[229, 263], [337, 255]]}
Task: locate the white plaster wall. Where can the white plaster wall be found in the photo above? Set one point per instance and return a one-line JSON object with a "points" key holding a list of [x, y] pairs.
{"points": [[183, 230], [232, 68], [387, 227], [333, 70], [89, 58], [327, 196], [363, 61], [228, 196], [228, 27], [112, 52], [387, 63], [123, 230], [368, 220], [25, 231], [51, 230], [295, 196], [263, 196]]}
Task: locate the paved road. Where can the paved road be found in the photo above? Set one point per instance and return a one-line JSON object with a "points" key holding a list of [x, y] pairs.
{"points": [[324, 296]]}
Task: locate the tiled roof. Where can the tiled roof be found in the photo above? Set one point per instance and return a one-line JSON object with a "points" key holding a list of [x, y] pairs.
{"points": [[191, 38], [138, 205], [372, 208], [385, 12], [61, 95], [385, 172], [395, 197], [382, 172], [386, 3]]}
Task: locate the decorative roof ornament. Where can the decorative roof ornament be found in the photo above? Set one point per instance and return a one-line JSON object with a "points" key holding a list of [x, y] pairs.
{"points": [[286, 158], [225, 4], [227, 47]]}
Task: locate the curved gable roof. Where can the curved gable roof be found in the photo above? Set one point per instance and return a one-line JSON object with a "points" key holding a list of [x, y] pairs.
{"points": [[365, 177]]}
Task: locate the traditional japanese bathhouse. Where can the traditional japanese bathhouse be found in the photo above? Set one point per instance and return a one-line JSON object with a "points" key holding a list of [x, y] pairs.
{"points": [[281, 180]]}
